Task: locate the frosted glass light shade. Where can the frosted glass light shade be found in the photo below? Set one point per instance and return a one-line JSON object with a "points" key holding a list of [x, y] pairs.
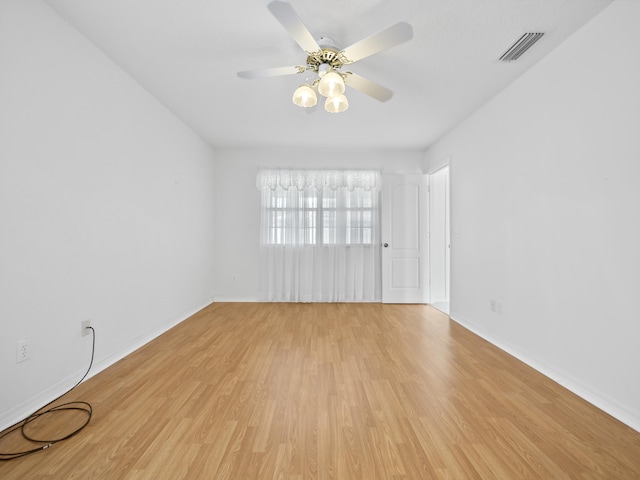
{"points": [[331, 85], [304, 96], [336, 104]]}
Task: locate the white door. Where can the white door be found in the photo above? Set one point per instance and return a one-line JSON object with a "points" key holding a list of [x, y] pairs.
{"points": [[439, 241], [404, 243]]}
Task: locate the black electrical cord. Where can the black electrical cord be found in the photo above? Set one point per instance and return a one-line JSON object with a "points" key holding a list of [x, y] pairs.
{"points": [[46, 443]]}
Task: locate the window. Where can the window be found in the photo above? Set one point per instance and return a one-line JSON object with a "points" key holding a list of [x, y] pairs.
{"points": [[319, 217], [319, 236]]}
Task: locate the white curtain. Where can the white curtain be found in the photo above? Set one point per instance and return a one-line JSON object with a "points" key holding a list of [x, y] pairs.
{"points": [[319, 237]]}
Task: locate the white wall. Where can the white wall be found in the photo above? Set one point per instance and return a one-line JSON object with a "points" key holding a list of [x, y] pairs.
{"points": [[238, 203], [546, 214], [106, 208]]}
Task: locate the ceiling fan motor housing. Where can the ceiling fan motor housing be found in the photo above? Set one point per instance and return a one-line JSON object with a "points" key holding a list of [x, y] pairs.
{"points": [[328, 56]]}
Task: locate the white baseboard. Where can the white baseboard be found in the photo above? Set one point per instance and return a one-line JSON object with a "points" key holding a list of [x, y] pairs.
{"points": [[604, 403], [36, 402], [230, 299], [143, 340]]}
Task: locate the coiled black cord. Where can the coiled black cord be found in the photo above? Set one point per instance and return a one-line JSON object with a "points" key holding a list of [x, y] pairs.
{"points": [[46, 443]]}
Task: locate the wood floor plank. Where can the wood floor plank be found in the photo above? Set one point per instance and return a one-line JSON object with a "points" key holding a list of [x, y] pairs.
{"points": [[329, 391]]}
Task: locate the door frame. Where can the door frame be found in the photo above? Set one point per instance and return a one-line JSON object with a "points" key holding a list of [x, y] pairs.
{"points": [[435, 283]]}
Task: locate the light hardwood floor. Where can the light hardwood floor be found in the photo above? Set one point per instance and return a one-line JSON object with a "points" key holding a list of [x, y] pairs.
{"points": [[330, 391]]}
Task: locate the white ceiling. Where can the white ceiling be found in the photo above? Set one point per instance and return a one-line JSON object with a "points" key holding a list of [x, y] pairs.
{"points": [[187, 52]]}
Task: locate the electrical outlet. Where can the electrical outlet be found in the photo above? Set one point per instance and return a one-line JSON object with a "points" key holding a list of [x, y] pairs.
{"points": [[84, 326], [24, 350], [493, 305]]}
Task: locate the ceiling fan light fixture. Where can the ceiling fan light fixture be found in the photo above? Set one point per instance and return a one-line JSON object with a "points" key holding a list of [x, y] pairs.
{"points": [[336, 104], [304, 96], [331, 85]]}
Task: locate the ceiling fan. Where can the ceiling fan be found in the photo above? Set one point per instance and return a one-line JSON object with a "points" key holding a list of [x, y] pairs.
{"points": [[325, 61]]}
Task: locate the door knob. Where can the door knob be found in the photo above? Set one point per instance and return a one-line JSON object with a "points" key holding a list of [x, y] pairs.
{"points": [[385, 245]]}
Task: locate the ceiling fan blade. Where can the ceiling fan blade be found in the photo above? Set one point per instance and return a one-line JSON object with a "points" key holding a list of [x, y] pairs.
{"points": [[390, 37], [368, 87], [291, 21], [272, 72]]}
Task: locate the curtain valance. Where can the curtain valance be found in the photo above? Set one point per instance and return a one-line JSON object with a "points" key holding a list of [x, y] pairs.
{"points": [[318, 179]]}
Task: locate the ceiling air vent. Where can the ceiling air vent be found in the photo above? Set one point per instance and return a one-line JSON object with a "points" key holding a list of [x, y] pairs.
{"points": [[522, 45]]}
